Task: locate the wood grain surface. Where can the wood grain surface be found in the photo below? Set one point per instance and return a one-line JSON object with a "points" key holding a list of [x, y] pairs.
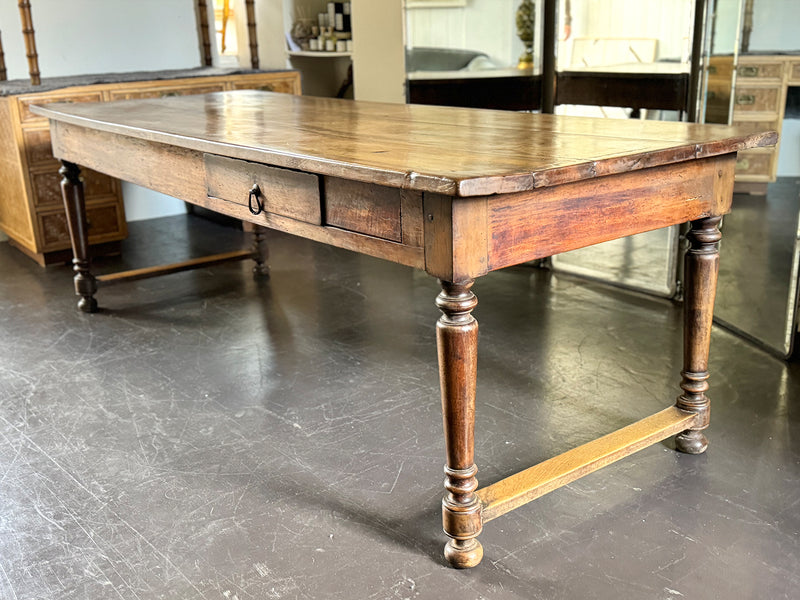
{"points": [[453, 151]]}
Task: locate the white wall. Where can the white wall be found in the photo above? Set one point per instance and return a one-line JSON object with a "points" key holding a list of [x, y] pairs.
{"points": [[95, 36], [379, 62]]}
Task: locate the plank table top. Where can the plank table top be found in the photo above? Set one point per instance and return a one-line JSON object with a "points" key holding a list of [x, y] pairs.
{"points": [[459, 152]]}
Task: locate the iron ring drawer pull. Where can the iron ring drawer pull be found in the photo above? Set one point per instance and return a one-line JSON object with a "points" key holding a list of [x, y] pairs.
{"points": [[255, 194], [745, 99]]}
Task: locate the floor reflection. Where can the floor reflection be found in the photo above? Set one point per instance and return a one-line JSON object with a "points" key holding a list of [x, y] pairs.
{"points": [[757, 279]]}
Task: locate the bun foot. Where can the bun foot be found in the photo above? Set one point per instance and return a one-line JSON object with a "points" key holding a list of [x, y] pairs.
{"points": [[261, 271], [88, 304], [691, 442], [463, 554]]}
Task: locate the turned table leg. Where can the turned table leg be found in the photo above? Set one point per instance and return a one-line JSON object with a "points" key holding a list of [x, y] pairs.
{"points": [[260, 252], [457, 343], [701, 268], [75, 205]]}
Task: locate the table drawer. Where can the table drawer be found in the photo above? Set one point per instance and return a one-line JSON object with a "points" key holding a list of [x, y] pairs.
{"points": [[754, 163], [760, 70], [756, 99], [364, 208], [281, 191]]}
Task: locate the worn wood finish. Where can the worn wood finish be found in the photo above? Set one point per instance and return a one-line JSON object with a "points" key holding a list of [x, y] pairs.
{"points": [[457, 342], [520, 488], [487, 152], [29, 35], [597, 210], [455, 192], [75, 206], [250, 10], [204, 32], [158, 270], [701, 267]]}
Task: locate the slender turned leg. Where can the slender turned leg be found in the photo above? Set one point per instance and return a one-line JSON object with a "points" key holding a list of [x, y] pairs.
{"points": [[457, 342], [701, 268], [260, 252], [75, 205]]}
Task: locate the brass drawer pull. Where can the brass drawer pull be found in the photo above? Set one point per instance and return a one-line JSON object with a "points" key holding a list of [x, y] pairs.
{"points": [[745, 99], [748, 71], [255, 194], [712, 70], [743, 164]]}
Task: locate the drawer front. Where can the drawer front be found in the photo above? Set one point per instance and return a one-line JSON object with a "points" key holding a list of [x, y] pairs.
{"points": [[364, 208], [756, 99], [281, 191], [46, 186], [755, 164], [794, 74], [26, 116], [757, 126], [165, 91], [104, 226], [720, 67], [284, 86], [37, 148], [760, 70]]}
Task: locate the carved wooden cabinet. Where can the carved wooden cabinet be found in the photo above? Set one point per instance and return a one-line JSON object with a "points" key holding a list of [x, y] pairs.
{"points": [[31, 211]]}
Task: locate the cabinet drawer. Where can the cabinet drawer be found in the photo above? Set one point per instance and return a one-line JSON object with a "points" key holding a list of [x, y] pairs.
{"points": [[164, 91], [759, 70], [284, 86], [756, 99], [46, 186], [757, 126], [282, 192], [37, 148], [26, 116], [755, 163], [105, 225], [794, 74]]}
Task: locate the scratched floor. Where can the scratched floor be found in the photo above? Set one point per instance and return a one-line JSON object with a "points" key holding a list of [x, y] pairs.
{"points": [[205, 436]]}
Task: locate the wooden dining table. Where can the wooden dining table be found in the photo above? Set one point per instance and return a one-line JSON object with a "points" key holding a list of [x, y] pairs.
{"points": [[455, 192]]}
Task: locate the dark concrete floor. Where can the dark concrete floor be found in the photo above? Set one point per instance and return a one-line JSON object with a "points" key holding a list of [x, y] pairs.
{"points": [[206, 436]]}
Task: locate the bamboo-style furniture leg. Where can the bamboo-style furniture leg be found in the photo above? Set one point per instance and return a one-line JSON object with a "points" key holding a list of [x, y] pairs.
{"points": [[260, 252], [75, 205], [701, 269], [457, 343], [30, 41]]}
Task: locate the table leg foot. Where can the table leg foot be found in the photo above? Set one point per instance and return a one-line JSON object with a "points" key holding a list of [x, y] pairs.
{"points": [[701, 269], [463, 554], [691, 441], [457, 343], [260, 253], [75, 206]]}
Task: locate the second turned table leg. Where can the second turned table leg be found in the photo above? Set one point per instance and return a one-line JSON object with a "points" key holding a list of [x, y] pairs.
{"points": [[701, 269], [457, 343], [75, 206]]}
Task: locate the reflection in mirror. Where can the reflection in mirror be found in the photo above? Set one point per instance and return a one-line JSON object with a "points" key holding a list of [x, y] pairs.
{"points": [[757, 290], [636, 38]]}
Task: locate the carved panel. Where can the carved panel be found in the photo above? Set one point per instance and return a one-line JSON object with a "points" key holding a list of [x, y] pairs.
{"points": [[37, 147], [104, 225], [166, 91], [28, 117]]}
